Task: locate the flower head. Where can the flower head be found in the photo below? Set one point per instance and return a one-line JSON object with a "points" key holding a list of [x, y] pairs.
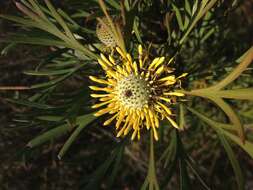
{"points": [[104, 34], [137, 94]]}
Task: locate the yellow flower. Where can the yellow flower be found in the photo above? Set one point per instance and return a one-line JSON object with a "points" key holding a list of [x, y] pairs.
{"points": [[137, 94]]}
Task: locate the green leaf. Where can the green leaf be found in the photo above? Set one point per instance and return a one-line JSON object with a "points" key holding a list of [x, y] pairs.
{"points": [[53, 82], [59, 19], [99, 173], [247, 145], [239, 94], [233, 160], [247, 60], [82, 122], [192, 167], [151, 179], [179, 17], [80, 14], [194, 7], [170, 157], [207, 35], [242, 57], [34, 6], [49, 135], [136, 30], [181, 117], [49, 72], [20, 20], [116, 167], [203, 9], [186, 21], [170, 152], [68, 18], [31, 104], [50, 118], [114, 4], [35, 41], [231, 115], [187, 7], [6, 49], [184, 177], [43, 23]]}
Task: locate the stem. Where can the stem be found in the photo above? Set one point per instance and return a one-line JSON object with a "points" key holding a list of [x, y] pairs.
{"points": [[151, 170]]}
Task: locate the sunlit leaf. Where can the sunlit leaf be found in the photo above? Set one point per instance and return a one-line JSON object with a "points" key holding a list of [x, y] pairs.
{"points": [[247, 145]]}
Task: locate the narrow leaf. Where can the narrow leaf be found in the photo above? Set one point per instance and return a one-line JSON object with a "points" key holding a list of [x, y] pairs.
{"points": [[82, 123], [247, 145], [49, 135], [233, 160]]}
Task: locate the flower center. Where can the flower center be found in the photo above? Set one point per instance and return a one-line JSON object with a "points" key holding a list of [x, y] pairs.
{"points": [[133, 91]]}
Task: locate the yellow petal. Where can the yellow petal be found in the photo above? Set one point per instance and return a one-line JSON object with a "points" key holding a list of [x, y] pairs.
{"points": [[101, 104], [156, 121], [107, 122], [129, 58], [105, 60], [134, 134], [99, 95], [105, 99], [167, 110], [102, 112], [95, 79], [100, 89], [173, 94], [159, 62], [111, 73], [159, 70], [120, 70], [183, 75], [121, 131], [126, 131], [129, 125], [135, 68], [111, 60], [120, 119], [165, 99], [173, 123], [112, 82], [128, 67], [148, 124], [155, 134], [168, 78], [167, 83], [154, 62], [140, 50], [102, 63], [120, 52], [172, 59]]}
